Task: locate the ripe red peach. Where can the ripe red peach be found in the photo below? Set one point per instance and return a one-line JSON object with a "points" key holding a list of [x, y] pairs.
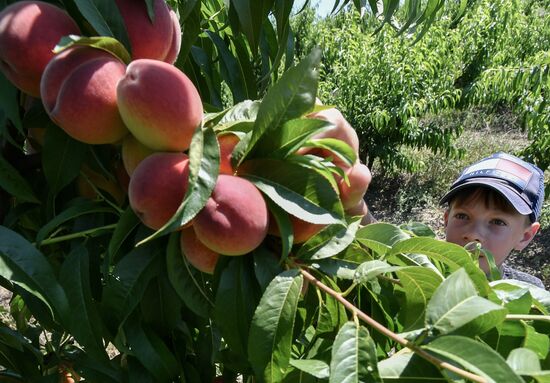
{"points": [[157, 187], [196, 253], [159, 104], [227, 143], [341, 130], [29, 30], [79, 94], [158, 40], [133, 152], [301, 229], [234, 220], [359, 177]]}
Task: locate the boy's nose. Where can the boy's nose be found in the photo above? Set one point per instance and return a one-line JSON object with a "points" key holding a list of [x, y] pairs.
{"points": [[473, 234]]}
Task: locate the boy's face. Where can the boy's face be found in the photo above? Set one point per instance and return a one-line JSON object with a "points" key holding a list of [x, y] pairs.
{"points": [[496, 230]]}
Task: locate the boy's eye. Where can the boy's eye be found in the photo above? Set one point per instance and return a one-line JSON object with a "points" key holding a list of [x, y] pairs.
{"points": [[461, 216], [498, 222]]}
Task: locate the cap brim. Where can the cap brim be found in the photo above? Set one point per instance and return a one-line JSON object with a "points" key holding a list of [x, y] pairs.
{"points": [[506, 191]]}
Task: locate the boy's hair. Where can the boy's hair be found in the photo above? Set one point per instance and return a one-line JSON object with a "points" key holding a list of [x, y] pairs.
{"points": [[490, 198], [520, 183]]}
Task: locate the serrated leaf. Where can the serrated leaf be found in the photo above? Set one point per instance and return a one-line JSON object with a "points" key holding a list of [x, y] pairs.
{"points": [[535, 341], [316, 368], [237, 295], [418, 285], [330, 241], [84, 321], [270, 339], [407, 367], [450, 254], [291, 136], [204, 163], [299, 191], [104, 16], [108, 44], [456, 304], [540, 296], [125, 226], [289, 98], [380, 237], [83, 207], [14, 183], [62, 158], [353, 356], [474, 356], [371, 269], [27, 268], [8, 102], [151, 351], [186, 280], [128, 280]]}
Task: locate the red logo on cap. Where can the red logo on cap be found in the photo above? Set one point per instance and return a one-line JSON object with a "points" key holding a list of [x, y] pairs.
{"points": [[513, 168]]}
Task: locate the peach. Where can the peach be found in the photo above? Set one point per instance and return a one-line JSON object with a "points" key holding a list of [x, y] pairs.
{"points": [[227, 143], [29, 30], [157, 187], [133, 152], [341, 130], [234, 220], [359, 178], [301, 229], [79, 94], [158, 40], [101, 182], [159, 104], [196, 253]]}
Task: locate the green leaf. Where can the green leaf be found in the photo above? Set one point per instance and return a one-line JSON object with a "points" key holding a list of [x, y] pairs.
{"points": [[62, 157], [474, 356], [330, 241], [353, 356], [336, 146], [104, 16], [251, 14], [299, 191], [317, 368], [13, 183], [128, 280], [289, 98], [8, 102], [290, 137], [418, 229], [380, 237], [535, 341], [418, 285], [407, 367], [455, 304], [523, 361], [204, 163], [270, 339], [450, 254], [236, 298], [84, 321], [124, 228], [371, 269], [27, 268], [541, 296], [83, 207], [151, 351], [108, 44], [230, 69], [187, 281]]}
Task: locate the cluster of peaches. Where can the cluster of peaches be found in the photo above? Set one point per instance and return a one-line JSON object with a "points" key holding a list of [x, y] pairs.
{"points": [[150, 108]]}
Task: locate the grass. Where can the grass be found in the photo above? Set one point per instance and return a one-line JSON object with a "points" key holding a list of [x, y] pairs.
{"points": [[405, 197]]}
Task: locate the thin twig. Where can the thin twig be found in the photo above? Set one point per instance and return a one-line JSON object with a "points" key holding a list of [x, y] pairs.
{"points": [[390, 334], [543, 318]]}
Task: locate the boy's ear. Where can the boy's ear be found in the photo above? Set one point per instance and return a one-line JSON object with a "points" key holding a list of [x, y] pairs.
{"points": [[528, 235], [446, 217]]}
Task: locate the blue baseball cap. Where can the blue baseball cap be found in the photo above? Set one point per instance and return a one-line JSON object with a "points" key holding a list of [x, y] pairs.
{"points": [[519, 182]]}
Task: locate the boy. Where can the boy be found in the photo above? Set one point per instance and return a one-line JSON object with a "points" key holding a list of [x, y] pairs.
{"points": [[496, 202]]}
